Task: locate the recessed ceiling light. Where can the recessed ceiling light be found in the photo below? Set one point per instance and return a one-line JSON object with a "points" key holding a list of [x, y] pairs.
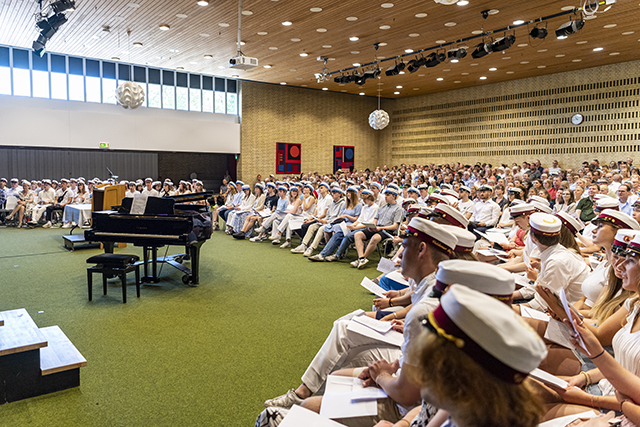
{"points": [[576, 60], [382, 44], [598, 49], [398, 87], [523, 45], [327, 46], [509, 72], [568, 8], [483, 78], [589, 17], [286, 23], [203, 3], [262, 33], [208, 56], [283, 83], [421, 15], [476, 32], [355, 52], [441, 41], [454, 61], [352, 18], [560, 55], [465, 74], [273, 48], [395, 93], [506, 57], [343, 90], [542, 50], [266, 66], [321, 30], [204, 35], [401, 72], [493, 11], [524, 62], [361, 93], [223, 24], [332, 59], [356, 64], [542, 66], [304, 54], [164, 27], [493, 69], [420, 75], [295, 40], [440, 79], [462, 3], [414, 35], [518, 22], [457, 81], [446, 70], [473, 65], [242, 43], [354, 39], [325, 88], [181, 16], [316, 9], [247, 12], [450, 24], [408, 50], [179, 68], [610, 25], [385, 27], [582, 42], [115, 58], [614, 53], [137, 44], [387, 5]]}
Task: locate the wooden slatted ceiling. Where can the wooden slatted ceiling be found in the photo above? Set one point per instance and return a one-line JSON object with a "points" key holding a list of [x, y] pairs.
{"points": [[184, 46]]}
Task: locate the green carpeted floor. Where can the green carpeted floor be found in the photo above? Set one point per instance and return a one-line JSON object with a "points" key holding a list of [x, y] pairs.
{"points": [[178, 356]]}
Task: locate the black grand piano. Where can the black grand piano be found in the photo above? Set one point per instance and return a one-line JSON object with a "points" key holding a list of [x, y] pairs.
{"points": [[165, 221]]}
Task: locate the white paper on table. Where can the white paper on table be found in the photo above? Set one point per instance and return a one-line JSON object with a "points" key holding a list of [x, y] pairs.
{"points": [[392, 337], [565, 305], [548, 378], [533, 314], [372, 287], [265, 213], [376, 325], [494, 237], [336, 402], [386, 266], [559, 333], [296, 223], [298, 416], [564, 421], [139, 204]]}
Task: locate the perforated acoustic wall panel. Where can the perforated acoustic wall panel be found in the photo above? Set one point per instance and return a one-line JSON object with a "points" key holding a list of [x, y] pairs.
{"points": [[524, 119]]}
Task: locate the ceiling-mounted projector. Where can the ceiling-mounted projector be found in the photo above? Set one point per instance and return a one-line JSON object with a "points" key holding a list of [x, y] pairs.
{"points": [[243, 62]]}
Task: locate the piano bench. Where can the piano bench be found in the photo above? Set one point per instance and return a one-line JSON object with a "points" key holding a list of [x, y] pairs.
{"points": [[113, 265]]}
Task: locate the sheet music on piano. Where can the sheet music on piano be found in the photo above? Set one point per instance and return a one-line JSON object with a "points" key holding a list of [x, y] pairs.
{"points": [[139, 204]]}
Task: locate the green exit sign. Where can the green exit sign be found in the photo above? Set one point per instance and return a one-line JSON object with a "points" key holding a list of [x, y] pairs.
{"points": [[104, 145]]}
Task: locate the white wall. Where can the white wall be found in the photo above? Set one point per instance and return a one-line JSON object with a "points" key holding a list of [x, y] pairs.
{"points": [[31, 122]]}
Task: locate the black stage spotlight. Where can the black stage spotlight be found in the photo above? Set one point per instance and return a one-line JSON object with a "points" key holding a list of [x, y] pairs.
{"points": [[395, 69], [503, 43], [482, 49], [568, 28], [62, 5], [538, 33], [39, 45], [414, 64], [456, 54], [338, 79], [434, 59], [57, 20], [46, 30]]}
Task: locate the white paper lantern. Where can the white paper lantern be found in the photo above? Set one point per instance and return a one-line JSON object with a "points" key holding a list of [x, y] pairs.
{"points": [[130, 95], [379, 119]]}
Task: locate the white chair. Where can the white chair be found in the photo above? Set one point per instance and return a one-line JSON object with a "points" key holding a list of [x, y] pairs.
{"points": [[11, 203]]}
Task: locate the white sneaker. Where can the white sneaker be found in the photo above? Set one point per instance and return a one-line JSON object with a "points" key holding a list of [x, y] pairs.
{"points": [[275, 242], [299, 250], [256, 239], [74, 224], [355, 263], [362, 263], [275, 237], [285, 245], [317, 257], [331, 258], [259, 230], [287, 400], [66, 225], [308, 252], [47, 225]]}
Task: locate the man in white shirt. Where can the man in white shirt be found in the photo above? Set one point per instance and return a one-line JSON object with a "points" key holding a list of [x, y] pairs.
{"points": [[555, 169], [46, 198], [486, 212], [626, 199], [377, 188], [465, 205], [560, 268], [73, 186], [15, 189], [148, 189], [63, 197]]}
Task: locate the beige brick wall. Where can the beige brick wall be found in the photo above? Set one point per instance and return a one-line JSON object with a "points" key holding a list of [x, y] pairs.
{"points": [[317, 120], [522, 120]]}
